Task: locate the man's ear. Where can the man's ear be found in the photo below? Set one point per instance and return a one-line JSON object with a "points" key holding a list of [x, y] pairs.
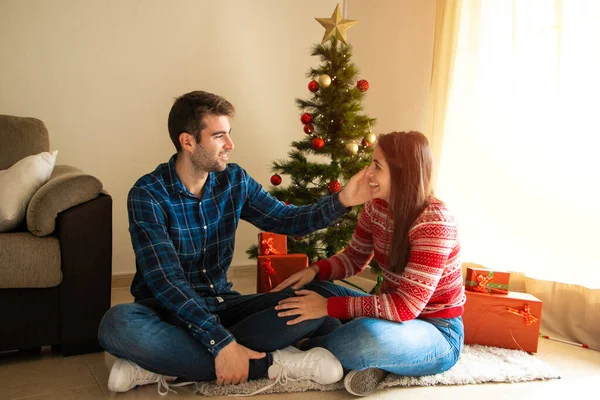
{"points": [[187, 141]]}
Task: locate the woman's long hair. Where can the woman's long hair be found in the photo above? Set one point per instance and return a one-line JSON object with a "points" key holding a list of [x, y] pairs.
{"points": [[410, 160]]}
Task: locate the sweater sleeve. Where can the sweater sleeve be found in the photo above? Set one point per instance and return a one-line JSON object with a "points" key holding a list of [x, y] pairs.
{"points": [[431, 243], [354, 258]]}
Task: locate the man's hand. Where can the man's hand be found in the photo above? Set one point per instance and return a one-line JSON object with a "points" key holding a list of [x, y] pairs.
{"points": [[357, 191], [306, 305], [232, 363], [297, 280]]}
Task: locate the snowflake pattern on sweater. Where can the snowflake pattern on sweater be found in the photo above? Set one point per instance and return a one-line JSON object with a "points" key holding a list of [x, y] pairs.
{"points": [[431, 286]]}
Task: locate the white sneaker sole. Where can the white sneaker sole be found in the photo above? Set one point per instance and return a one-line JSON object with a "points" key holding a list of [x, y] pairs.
{"points": [[362, 383]]}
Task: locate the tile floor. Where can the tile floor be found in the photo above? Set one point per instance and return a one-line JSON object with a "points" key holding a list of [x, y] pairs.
{"points": [[52, 377]]}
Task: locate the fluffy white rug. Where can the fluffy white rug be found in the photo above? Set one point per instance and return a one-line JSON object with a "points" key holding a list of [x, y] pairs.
{"points": [[477, 364]]}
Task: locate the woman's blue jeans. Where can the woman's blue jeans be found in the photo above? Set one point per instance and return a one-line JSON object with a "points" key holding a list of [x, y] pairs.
{"points": [[423, 346], [152, 337]]}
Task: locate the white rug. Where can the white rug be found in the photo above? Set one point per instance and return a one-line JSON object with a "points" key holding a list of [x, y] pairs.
{"points": [[477, 364]]}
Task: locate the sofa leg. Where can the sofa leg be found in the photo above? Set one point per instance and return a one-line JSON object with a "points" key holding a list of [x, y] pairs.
{"points": [[31, 351], [68, 350]]}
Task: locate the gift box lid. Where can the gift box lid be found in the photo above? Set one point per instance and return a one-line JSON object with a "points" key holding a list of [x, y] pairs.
{"points": [[511, 295]]}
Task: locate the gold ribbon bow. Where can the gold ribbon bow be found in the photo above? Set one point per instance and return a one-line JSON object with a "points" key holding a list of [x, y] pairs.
{"points": [[525, 313], [482, 282], [267, 247], [269, 271]]}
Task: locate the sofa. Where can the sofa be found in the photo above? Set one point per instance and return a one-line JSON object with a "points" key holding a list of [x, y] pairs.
{"points": [[55, 266]]}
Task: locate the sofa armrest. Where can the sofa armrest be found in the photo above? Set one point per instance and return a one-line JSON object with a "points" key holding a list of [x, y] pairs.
{"points": [[66, 188]]}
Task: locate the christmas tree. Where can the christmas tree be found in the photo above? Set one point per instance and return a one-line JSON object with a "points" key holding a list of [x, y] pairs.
{"points": [[337, 141]]}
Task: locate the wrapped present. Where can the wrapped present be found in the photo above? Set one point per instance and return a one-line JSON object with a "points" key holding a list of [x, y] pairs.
{"points": [[272, 270], [271, 243], [487, 281], [511, 321]]}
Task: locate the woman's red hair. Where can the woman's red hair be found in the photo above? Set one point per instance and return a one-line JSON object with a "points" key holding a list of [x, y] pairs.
{"points": [[410, 162]]}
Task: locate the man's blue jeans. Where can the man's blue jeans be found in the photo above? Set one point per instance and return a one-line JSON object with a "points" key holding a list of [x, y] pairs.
{"points": [[423, 346], [148, 335]]}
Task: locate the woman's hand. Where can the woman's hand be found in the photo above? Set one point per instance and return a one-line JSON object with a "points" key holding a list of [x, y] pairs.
{"points": [[357, 191], [306, 305], [297, 280]]}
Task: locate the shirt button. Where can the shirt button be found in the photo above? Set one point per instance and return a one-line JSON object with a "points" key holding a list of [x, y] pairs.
{"points": [[190, 326], [212, 286], [204, 270], [205, 226], [212, 342]]}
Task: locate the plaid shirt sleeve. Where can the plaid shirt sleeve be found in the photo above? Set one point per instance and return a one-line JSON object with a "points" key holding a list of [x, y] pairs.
{"points": [[272, 215], [158, 262]]}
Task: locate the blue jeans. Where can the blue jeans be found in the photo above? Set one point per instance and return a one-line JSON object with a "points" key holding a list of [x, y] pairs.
{"points": [[153, 338], [423, 346]]}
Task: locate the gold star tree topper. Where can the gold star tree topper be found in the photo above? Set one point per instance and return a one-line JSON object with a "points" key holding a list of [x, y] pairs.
{"points": [[336, 26]]}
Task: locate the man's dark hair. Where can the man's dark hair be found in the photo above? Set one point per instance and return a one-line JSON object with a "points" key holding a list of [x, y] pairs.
{"points": [[189, 110]]}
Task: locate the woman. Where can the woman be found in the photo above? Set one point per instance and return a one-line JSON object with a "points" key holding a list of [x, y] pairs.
{"points": [[413, 326]]}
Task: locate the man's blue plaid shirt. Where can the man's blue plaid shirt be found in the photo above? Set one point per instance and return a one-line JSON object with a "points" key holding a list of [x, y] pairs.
{"points": [[184, 245]]}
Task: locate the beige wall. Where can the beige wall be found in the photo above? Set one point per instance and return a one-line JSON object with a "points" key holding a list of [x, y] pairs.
{"points": [[393, 48], [102, 75]]}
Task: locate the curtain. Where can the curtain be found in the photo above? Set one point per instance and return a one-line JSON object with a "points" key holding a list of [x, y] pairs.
{"points": [[519, 159], [513, 110], [445, 38]]}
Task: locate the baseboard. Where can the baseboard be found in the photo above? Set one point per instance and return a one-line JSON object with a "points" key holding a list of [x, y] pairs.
{"points": [[122, 280], [241, 270], [368, 273]]}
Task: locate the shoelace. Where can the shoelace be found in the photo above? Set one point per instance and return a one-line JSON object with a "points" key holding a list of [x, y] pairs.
{"points": [[142, 376], [164, 387], [282, 379]]}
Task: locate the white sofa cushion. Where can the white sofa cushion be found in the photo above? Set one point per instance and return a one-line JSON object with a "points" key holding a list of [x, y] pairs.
{"points": [[19, 183]]}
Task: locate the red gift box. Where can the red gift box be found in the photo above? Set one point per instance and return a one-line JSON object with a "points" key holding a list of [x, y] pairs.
{"points": [[271, 243], [511, 321], [487, 281], [272, 270]]}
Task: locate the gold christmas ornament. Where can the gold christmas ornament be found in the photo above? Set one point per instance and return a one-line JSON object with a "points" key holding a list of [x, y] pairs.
{"points": [[324, 80], [370, 138], [336, 26], [352, 148]]}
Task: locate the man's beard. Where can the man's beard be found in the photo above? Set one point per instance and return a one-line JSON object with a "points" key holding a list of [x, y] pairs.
{"points": [[202, 161]]}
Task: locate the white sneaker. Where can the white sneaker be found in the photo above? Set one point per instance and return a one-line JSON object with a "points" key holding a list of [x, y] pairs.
{"points": [[317, 364], [291, 364], [362, 383], [126, 375]]}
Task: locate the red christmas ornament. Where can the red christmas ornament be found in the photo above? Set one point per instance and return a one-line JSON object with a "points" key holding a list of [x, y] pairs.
{"points": [[334, 187], [306, 118], [313, 86], [287, 203], [366, 143], [308, 129], [318, 143], [276, 180], [362, 85]]}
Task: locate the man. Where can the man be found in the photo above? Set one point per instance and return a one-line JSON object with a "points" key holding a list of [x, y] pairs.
{"points": [[186, 321]]}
